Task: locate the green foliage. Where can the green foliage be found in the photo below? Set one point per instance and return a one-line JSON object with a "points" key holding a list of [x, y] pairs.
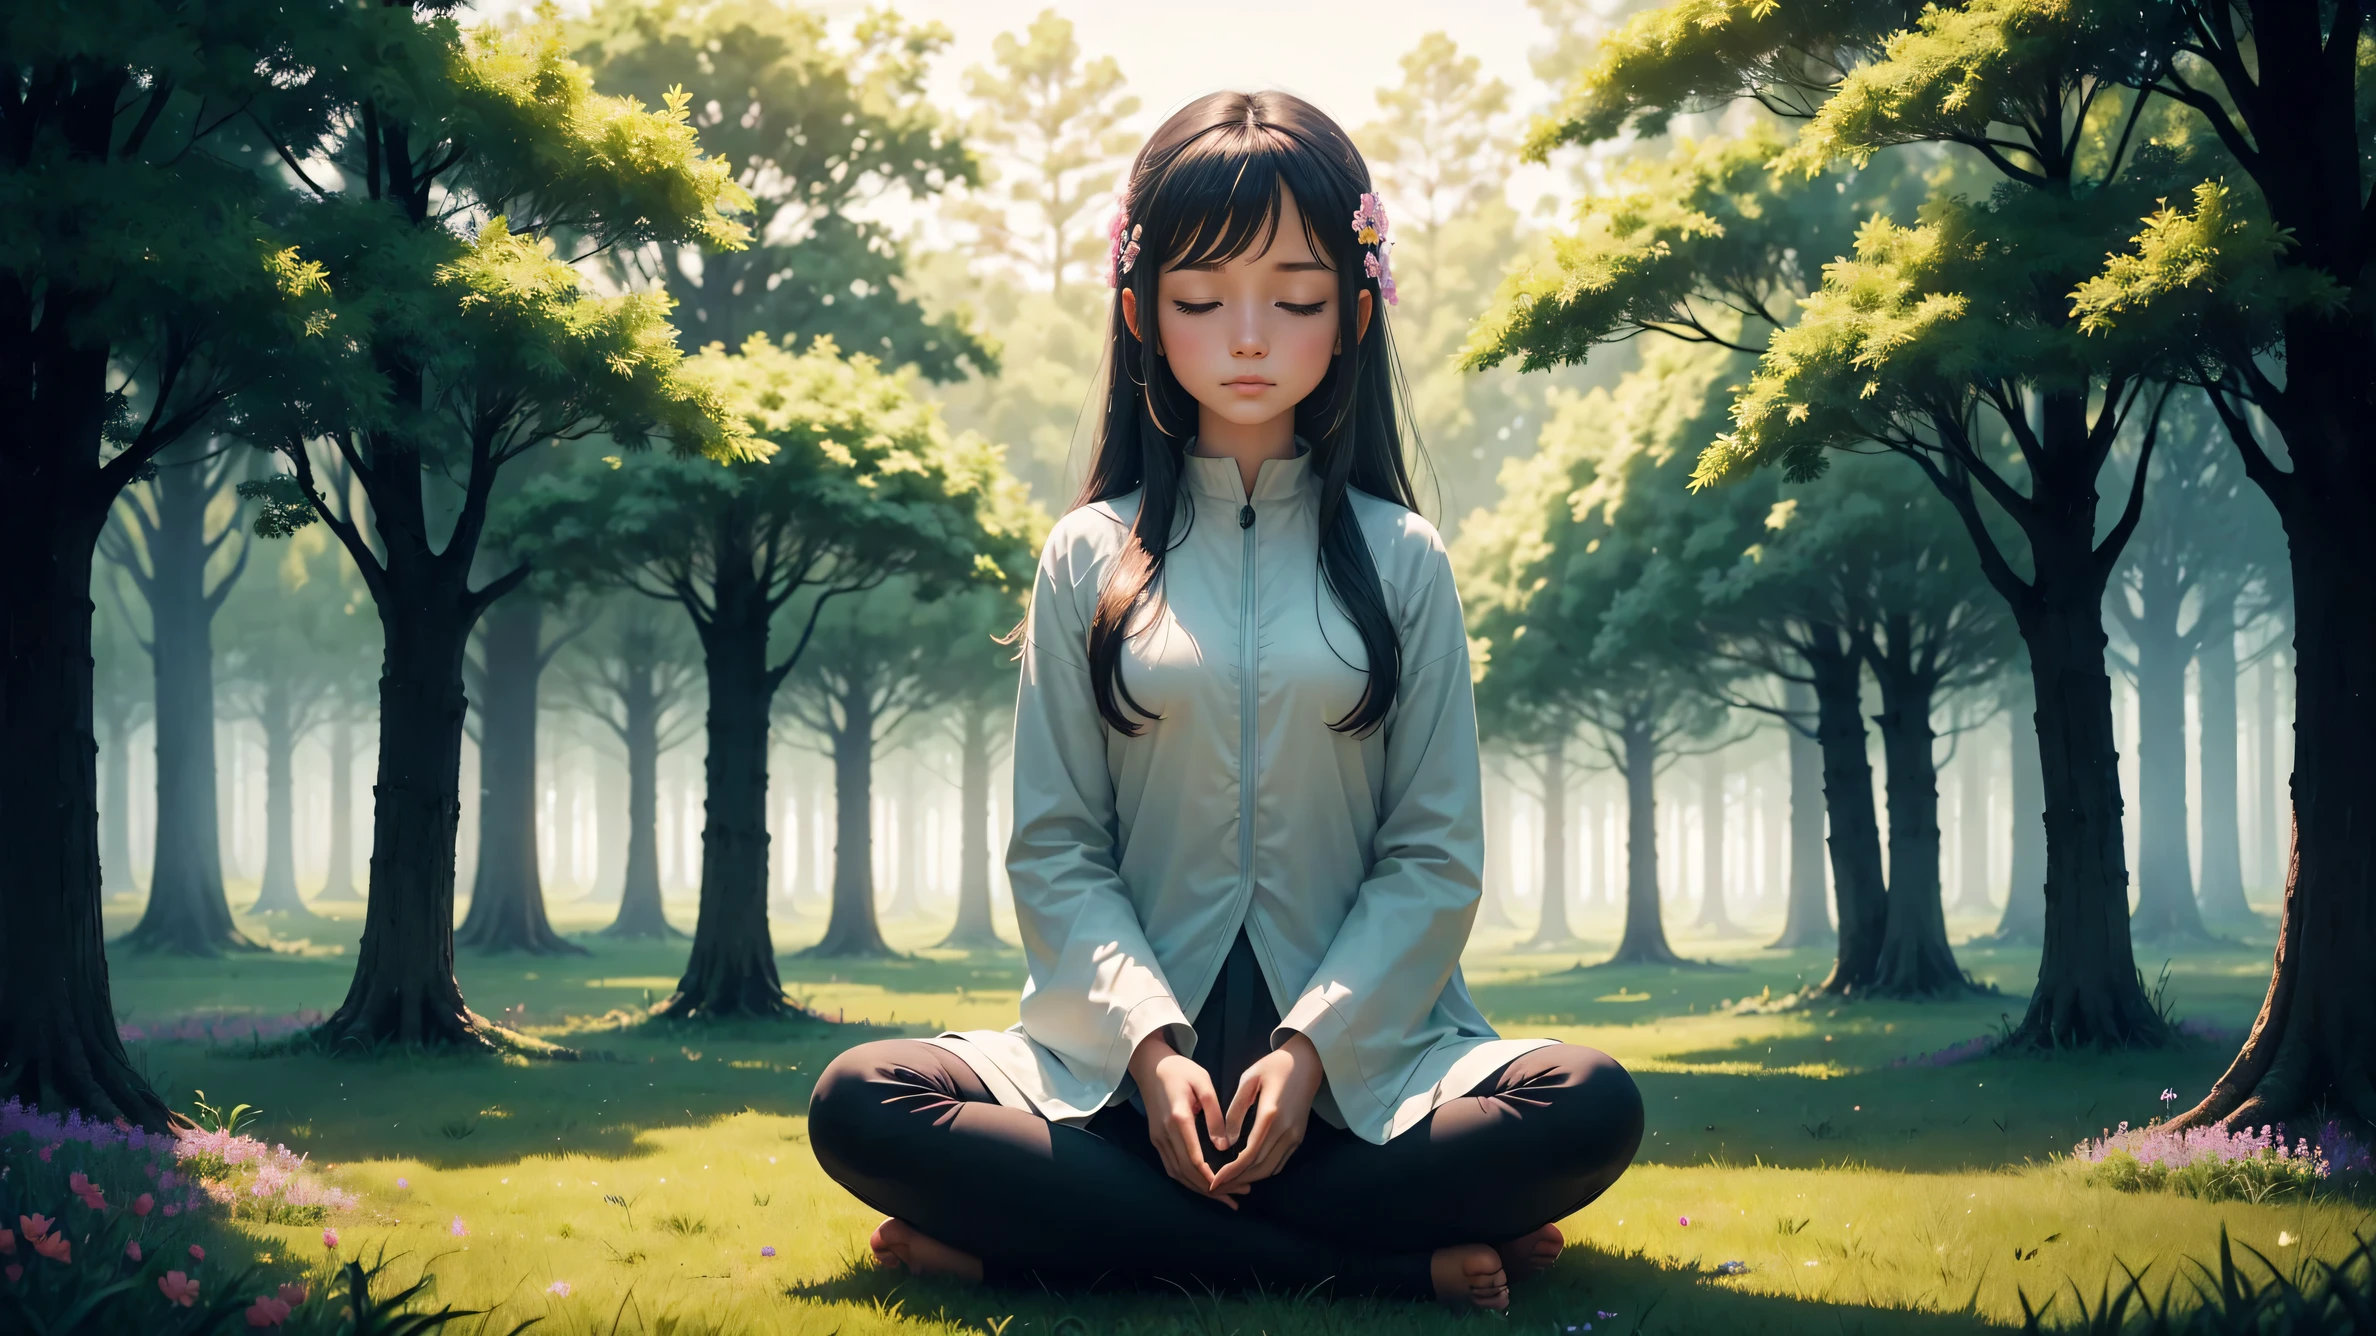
{"points": [[1056, 120], [813, 132], [2315, 1297], [281, 506]]}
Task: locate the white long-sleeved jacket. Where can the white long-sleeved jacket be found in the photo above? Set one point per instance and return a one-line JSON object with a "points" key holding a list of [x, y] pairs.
{"points": [[1353, 863]]}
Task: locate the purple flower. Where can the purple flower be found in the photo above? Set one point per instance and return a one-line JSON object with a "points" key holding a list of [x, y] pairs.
{"points": [[767, 1251]]}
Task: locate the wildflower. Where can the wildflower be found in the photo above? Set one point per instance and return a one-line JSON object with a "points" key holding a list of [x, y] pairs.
{"points": [[560, 1287], [460, 1230], [172, 1209], [178, 1288], [1810, 1262], [143, 1204], [87, 1190], [15, 1272], [7, 1242], [1683, 1220], [330, 1239], [54, 1247], [132, 1250], [403, 1183], [2284, 1239], [1601, 1315], [197, 1254], [292, 1293], [34, 1226], [267, 1312], [1731, 1268], [767, 1252]]}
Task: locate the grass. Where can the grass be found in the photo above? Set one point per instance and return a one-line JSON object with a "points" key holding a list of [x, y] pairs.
{"points": [[1863, 1196]]}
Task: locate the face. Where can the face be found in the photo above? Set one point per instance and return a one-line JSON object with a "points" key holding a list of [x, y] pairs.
{"points": [[1252, 337]]}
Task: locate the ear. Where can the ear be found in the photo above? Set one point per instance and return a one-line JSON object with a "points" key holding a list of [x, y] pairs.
{"points": [[1361, 314], [1130, 313]]}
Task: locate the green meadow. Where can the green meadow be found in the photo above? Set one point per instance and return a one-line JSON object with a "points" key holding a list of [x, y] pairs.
{"points": [[1863, 1193]]}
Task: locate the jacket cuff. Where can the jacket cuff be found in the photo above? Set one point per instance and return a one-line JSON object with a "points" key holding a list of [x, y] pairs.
{"points": [[1156, 1013], [1316, 1018]]}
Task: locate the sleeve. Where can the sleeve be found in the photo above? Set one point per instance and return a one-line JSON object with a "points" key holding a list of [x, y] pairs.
{"points": [[1366, 1008], [1094, 990]]}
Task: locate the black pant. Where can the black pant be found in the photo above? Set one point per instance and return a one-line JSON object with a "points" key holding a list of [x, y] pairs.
{"points": [[909, 1129]]}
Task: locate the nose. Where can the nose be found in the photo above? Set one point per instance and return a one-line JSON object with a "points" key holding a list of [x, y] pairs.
{"points": [[1248, 340]]}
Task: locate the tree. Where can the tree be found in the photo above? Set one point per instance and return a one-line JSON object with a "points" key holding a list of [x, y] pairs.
{"points": [[128, 327], [1943, 340], [1536, 735], [860, 483], [170, 530], [818, 135], [2280, 271], [1806, 915], [297, 645], [979, 669], [1056, 121], [120, 700], [635, 674], [507, 908], [469, 341], [876, 662], [2193, 553], [1581, 588], [1438, 146]]}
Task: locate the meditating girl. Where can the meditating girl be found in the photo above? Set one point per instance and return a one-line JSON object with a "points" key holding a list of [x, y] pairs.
{"points": [[1247, 833]]}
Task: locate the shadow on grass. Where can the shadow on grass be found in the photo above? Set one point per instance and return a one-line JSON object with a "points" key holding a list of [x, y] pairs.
{"points": [[1614, 1293]]}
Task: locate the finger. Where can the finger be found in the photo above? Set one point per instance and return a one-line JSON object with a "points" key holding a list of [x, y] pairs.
{"points": [[1196, 1173], [1209, 1103], [1241, 1169], [1249, 1093]]}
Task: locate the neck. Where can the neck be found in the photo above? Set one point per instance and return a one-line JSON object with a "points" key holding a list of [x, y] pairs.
{"points": [[1247, 443]]}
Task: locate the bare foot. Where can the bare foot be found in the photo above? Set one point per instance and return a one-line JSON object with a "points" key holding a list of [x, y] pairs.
{"points": [[898, 1243], [1469, 1273], [1530, 1253]]}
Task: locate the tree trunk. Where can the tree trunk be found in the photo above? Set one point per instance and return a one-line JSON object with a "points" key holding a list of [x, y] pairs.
{"points": [[1493, 896], [974, 923], [507, 908], [115, 802], [278, 894], [1971, 833], [2269, 859], [1915, 959], [1807, 915], [907, 836], [1644, 941], [1552, 929], [404, 991], [1857, 883], [1713, 915], [58, 1044], [2313, 1047], [2088, 989], [187, 911], [2222, 891], [641, 912], [733, 971], [2024, 920], [2166, 909], [852, 929], [338, 883]]}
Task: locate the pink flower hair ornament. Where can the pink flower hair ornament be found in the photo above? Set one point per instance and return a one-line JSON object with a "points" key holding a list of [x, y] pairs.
{"points": [[1369, 229], [1122, 238]]}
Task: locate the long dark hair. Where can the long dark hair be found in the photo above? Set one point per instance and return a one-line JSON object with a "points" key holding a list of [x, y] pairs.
{"points": [[1207, 188]]}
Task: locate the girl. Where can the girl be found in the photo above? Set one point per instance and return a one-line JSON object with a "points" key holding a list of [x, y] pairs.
{"points": [[1246, 791]]}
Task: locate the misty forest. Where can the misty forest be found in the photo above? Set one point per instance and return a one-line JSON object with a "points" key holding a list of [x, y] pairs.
{"points": [[512, 525]]}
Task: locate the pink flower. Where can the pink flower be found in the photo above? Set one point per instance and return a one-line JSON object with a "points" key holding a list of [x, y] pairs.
{"points": [[1683, 1220], [560, 1287], [143, 1204], [171, 1210], [15, 1273], [178, 1288], [197, 1253], [132, 1250], [330, 1239], [460, 1230], [54, 1247], [87, 1190], [292, 1293], [402, 1183], [7, 1242], [267, 1312], [34, 1226]]}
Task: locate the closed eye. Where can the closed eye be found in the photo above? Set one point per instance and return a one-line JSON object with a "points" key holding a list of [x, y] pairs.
{"points": [[1196, 308], [1294, 308]]}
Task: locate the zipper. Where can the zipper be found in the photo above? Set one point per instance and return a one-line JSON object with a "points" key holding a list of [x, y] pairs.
{"points": [[1247, 706]]}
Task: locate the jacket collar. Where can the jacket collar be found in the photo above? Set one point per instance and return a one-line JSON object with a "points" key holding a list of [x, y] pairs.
{"points": [[1217, 476]]}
